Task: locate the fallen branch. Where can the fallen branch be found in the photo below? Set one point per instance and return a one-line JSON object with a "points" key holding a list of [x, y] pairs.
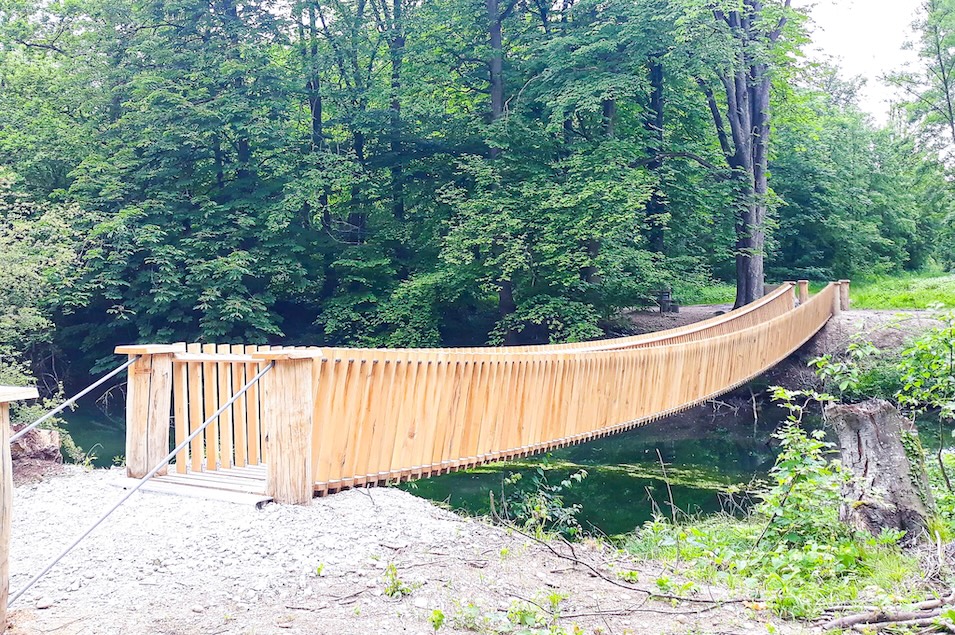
{"points": [[926, 612]]}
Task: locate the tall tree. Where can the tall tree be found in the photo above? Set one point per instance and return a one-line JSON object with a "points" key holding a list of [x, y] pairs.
{"points": [[742, 41]]}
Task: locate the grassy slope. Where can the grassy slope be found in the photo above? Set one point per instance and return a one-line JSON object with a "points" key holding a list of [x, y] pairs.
{"points": [[910, 291]]}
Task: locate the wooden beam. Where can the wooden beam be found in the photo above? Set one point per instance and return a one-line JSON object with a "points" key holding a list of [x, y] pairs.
{"points": [[7, 395], [288, 354], [287, 416], [148, 408], [149, 349], [15, 393], [844, 294], [803, 291]]}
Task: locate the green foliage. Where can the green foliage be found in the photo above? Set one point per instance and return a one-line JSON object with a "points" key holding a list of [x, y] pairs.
{"points": [[40, 248], [928, 371], [843, 374], [838, 177], [437, 619], [803, 499], [542, 617], [395, 588], [214, 171], [538, 506], [791, 550]]}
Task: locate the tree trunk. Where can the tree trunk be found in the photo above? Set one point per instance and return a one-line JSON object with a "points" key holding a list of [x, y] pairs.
{"points": [[888, 487], [744, 134], [396, 48], [656, 206], [496, 65], [505, 302]]}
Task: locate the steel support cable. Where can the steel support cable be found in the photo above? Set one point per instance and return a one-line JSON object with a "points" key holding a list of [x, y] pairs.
{"points": [[75, 398], [15, 596]]}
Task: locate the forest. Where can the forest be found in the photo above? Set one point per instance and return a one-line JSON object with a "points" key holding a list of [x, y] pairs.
{"points": [[437, 172]]}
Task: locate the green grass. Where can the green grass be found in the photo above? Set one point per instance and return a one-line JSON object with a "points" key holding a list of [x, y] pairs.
{"points": [[714, 293], [907, 291], [913, 291]]}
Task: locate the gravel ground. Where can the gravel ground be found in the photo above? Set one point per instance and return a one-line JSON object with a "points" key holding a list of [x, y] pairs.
{"points": [[171, 565]]}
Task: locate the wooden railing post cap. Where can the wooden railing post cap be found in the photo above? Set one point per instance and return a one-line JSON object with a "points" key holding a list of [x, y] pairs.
{"points": [[280, 354], [150, 349], [17, 393]]}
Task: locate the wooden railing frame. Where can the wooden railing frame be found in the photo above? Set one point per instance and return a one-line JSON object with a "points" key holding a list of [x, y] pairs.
{"points": [[369, 416], [8, 395]]}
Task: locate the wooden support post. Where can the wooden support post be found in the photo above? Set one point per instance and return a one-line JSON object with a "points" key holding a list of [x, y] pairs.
{"points": [[287, 404], [7, 395], [837, 299], [803, 291], [844, 294], [148, 406]]}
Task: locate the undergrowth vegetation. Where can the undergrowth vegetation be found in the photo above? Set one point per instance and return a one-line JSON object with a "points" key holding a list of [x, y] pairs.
{"points": [[790, 550]]}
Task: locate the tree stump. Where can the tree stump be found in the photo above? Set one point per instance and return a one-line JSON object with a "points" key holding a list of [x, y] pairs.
{"points": [[887, 486]]}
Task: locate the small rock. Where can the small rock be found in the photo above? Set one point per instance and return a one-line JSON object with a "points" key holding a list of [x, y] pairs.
{"points": [[44, 603], [420, 603], [198, 609], [681, 619]]}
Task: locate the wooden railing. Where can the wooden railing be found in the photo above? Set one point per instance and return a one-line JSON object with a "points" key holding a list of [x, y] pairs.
{"points": [[333, 418]]}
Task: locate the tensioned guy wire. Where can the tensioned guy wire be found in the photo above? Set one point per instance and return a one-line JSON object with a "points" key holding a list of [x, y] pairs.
{"points": [[15, 596], [74, 399]]}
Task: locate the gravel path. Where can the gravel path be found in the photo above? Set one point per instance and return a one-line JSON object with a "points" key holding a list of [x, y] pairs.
{"points": [[171, 565]]}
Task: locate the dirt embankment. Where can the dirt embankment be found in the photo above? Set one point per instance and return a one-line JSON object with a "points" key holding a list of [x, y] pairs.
{"points": [[889, 331]]}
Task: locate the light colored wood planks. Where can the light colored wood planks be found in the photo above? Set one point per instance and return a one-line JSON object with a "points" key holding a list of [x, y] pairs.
{"points": [[210, 400], [180, 382], [17, 393], [287, 403]]}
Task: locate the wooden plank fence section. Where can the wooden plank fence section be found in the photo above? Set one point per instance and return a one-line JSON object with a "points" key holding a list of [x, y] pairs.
{"points": [[379, 415]]}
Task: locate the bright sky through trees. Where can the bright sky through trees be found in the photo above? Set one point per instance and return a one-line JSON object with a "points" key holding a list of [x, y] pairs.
{"points": [[866, 38]]}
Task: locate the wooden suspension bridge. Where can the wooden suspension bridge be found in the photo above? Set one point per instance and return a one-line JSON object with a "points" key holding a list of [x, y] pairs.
{"points": [[327, 419], [289, 423]]}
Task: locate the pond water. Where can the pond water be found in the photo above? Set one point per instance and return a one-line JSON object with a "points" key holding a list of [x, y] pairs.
{"points": [[102, 436]]}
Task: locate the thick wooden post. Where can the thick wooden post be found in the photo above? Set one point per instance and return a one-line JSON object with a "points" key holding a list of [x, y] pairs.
{"points": [[7, 395], [803, 291], [792, 294], [837, 299], [287, 404], [844, 294], [148, 406]]}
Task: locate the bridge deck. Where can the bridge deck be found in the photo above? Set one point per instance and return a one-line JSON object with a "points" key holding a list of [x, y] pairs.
{"points": [[245, 485]]}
